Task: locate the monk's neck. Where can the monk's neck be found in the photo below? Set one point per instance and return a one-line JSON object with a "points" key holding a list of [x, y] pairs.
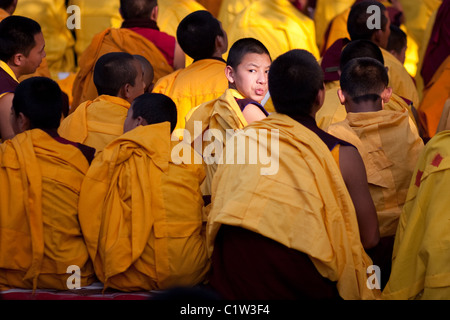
{"points": [[364, 106]]}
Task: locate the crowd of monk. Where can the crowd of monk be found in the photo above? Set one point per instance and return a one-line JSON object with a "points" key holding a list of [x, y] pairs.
{"points": [[114, 141]]}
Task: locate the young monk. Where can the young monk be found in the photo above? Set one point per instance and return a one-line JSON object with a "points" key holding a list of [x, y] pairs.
{"points": [[202, 38], [142, 226], [118, 77], [247, 73], [293, 233], [40, 178], [389, 161], [21, 52], [138, 34]]}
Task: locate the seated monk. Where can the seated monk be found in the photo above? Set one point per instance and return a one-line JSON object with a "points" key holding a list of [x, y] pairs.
{"points": [[280, 24], [40, 178], [356, 28], [247, 73], [139, 34], [420, 259], [291, 231], [332, 111], [22, 48], [202, 38], [118, 79], [370, 128], [142, 226]]}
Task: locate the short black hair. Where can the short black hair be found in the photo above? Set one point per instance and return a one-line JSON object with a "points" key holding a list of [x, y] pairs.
{"points": [[137, 9], [197, 33], [242, 47], [360, 49], [114, 70], [40, 100], [17, 36], [358, 17], [295, 79], [155, 108], [397, 39], [364, 79]]}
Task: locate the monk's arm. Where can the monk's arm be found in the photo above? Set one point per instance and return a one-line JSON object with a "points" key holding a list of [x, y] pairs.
{"points": [[6, 130], [179, 60], [253, 113], [355, 178]]}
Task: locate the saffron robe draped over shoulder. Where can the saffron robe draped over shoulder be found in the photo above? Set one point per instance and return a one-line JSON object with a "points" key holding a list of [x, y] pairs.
{"points": [[141, 214], [218, 116], [420, 268], [389, 145], [310, 211], [278, 25], [112, 40], [40, 236], [96, 123], [202, 81]]}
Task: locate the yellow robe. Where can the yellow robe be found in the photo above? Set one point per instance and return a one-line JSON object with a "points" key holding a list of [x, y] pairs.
{"points": [[40, 179], [219, 115], [141, 224], [332, 111], [420, 268], [212, 6], [96, 123], [59, 42], [200, 82], [112, 40], [278, 25], [389, 145], [95, 17], [229, 9], [434, 96], [310, 211], [325, 11]]}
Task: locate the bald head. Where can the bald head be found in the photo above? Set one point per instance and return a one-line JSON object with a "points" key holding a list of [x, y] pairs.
{"points": [[137, 9]]}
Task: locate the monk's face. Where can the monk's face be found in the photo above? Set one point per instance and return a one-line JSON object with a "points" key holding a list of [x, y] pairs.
{"points": [[139, 84], [34, 58], [250, 77]]}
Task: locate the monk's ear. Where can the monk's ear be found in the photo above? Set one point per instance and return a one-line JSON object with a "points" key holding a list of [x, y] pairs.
{"points": [[341, 96], [154, 14], [320, 97], [141, 121], [386, 94], [22, 123], [17, 59], [229, 73]]}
